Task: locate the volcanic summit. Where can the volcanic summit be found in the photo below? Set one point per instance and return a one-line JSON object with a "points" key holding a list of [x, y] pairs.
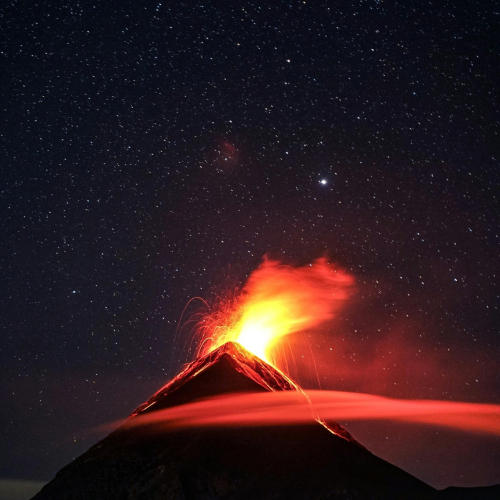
{"points": [[312, 461]]}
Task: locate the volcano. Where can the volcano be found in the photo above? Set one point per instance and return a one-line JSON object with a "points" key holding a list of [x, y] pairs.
{"points": [[313, 461]]}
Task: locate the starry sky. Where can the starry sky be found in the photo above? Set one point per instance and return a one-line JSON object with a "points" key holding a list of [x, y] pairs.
{"points": [[152, 152]]}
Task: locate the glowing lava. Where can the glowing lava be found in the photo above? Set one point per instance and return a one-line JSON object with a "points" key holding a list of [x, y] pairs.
{"points": [[276, 301]]}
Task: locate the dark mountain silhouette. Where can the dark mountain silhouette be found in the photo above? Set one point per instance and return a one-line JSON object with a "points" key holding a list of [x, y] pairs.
{"points": [[258, 463]]}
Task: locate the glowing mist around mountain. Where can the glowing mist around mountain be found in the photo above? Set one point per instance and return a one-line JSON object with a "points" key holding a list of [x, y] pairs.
{"points": [[276, 301]]}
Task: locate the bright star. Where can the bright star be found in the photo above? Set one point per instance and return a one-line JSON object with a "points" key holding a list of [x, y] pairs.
{"points": [[323, 181]]}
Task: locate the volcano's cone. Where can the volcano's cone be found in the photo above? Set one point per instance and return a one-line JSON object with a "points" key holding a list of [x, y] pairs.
{"points": [[230, 368], [287, 462]]}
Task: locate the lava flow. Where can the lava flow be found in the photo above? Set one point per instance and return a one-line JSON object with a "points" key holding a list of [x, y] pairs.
{"points": [[277, 301]]}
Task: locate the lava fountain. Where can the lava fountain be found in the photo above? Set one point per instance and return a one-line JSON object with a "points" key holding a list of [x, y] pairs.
{"points": [[275, 302]]}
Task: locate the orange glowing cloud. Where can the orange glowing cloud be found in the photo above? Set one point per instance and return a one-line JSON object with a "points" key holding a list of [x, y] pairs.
{"points": [[279, 300], [291, 408]]}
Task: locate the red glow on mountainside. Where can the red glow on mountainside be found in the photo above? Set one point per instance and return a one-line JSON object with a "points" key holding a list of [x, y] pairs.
{"points": [[277, 301]]}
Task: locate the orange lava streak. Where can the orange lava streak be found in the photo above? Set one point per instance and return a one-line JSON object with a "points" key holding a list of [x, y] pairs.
{"points": [[279, 300], [290, 408]]}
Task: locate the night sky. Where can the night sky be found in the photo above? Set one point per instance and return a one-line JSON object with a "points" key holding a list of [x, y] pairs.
{"points": [[155, 152]]}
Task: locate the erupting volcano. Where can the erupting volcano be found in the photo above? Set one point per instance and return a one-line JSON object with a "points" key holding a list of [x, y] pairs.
{"points": [[150, 456]]}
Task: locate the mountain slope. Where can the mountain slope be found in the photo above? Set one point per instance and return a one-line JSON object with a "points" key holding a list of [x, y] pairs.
{"points": [[284, 462]]}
